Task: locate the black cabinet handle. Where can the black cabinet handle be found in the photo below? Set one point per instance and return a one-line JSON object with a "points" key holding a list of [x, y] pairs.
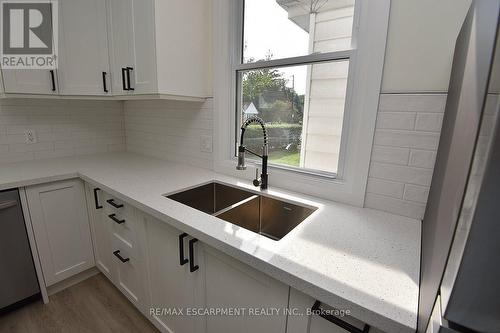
{"points": [[124, 71], [117, 254], [316, 309], [53, 78], [113, 217], [128, 78], [104, 86], [182, 260], [112, 203], [192, 266], [96, 199]]}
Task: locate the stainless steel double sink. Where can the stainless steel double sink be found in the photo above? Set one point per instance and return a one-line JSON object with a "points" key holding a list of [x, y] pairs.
{"points": [[262, 214]]}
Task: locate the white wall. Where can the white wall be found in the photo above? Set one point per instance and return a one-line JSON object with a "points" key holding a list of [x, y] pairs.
{"points": [[170, 130], [63, 128], [420, 44]]}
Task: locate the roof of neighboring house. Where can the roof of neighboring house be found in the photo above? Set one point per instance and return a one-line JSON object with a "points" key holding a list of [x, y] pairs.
{"points": [[251, 109], [299, 10]]}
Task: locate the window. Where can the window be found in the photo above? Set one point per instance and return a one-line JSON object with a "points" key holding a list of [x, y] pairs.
{"points": [[293, 72]]}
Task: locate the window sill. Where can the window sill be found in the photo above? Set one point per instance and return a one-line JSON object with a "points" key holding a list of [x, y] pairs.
{"points": [[300, 171]]}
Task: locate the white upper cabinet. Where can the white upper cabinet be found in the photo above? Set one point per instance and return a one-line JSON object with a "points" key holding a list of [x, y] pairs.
{"points": [[126, 48], [30, 81], [83, 48], [132, 43], [183, 47], [160, 47]]}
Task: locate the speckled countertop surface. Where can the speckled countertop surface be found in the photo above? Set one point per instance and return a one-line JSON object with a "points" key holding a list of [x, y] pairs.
{"points": [[348, 257]]}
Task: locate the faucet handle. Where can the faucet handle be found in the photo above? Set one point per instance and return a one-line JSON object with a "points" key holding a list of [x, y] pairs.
{"points": [[256, 181]]}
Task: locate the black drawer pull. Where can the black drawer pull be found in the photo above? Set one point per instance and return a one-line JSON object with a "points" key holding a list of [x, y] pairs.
{"points": [[316, 309], [117, 254], [53, 79], [124, 70], [113, 217], [112, 203], [182, 260], [104, 86], [129, 87], [192, 266], [96, 198]]}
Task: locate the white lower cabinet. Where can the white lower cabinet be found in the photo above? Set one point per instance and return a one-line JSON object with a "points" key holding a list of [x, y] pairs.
{"points": [[119, 244], [172, 284], [61, 227], [187, 275], [231, 284], [185, 286]]}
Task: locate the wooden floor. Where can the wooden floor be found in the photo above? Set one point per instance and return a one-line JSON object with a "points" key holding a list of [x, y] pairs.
{"points": [[93, 305]]}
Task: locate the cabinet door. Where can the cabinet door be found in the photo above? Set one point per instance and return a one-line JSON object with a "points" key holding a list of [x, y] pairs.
{"points": [[61, 226], [30, 81], [100, 230], [232, 284], [83, 48], [173, 286], [132, 42]]}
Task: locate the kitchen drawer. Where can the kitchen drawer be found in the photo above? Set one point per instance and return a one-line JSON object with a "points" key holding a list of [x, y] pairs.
{"points": [[127, 248], [129, 271], [122, 219]]}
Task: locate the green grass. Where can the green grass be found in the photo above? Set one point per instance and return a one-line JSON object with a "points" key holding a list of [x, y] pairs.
{"points": [[291, 158]]}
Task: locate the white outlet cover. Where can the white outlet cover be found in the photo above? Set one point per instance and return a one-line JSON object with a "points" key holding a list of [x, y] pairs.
{"points": [[30, 136], [206, 143]]}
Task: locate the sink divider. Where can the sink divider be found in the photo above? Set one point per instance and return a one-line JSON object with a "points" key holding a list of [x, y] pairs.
{"points": [[242, 202]]}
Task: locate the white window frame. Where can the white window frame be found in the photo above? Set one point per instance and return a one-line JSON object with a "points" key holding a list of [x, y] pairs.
{"points": [[371, 19]]}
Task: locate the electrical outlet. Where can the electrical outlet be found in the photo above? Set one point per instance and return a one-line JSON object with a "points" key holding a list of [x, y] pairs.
{"points": [[30, 136], [206, 143]]}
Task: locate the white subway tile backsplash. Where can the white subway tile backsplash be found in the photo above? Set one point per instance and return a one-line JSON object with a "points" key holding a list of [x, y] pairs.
{"points": [[427, 103], [11, 157], [396, 120], [416, 193], [393, 155], [62, 128], [169, 130], [422, 158], [430, 122], [404, 152], [22, 147], [394, 102], [384, 187], [396, 206], [410, 139], [400, 173]]}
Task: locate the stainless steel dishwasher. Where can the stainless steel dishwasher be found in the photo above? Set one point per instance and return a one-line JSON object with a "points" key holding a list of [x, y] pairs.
{"points": [[18, 279]]}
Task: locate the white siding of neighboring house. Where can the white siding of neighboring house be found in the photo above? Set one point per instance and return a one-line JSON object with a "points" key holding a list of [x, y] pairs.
{"points": [[330, 30]]}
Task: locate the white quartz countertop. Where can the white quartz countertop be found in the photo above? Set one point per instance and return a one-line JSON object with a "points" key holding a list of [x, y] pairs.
{"points": [[352, 258]]}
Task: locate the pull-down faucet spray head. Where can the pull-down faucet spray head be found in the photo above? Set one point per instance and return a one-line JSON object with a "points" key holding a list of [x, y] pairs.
{"points": [[242, 149], [241, 158]]}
